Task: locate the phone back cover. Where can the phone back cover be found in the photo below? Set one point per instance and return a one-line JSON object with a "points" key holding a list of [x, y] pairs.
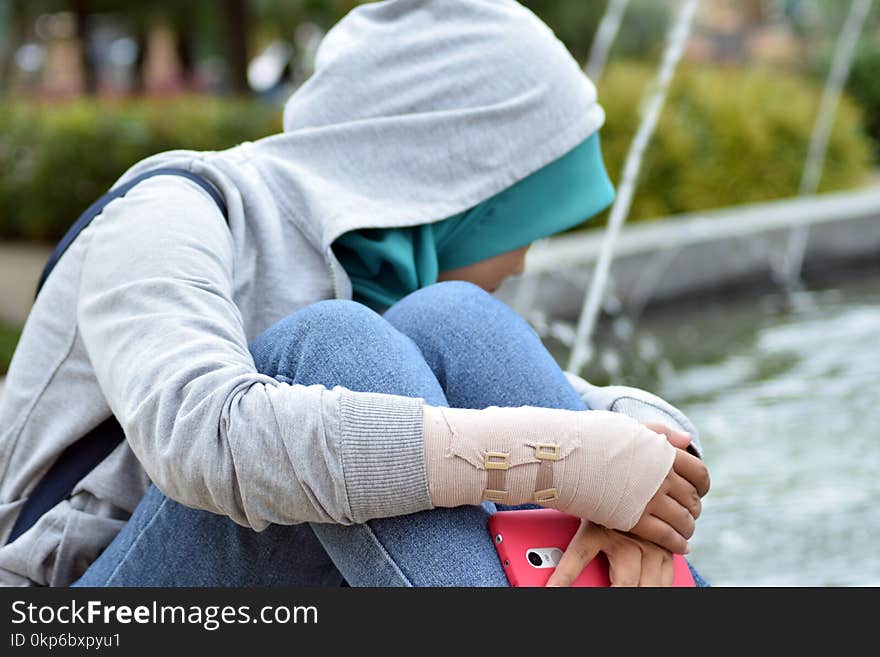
{"points": [[524, 529]]}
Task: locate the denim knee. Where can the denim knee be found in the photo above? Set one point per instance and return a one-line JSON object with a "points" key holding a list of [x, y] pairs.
{"points": [[318, 330], [331, 315], [444, 302], [456, 307], [343, 343], [454, 292]]}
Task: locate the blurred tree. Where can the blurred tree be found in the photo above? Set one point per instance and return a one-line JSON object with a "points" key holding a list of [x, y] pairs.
{"points": [[575, 23], [827, 17], [237, 29], [11, 33], [21, 16], [232, 28], [864, 86], [283, 16], [832, 13], [81, 9], [200, 25]]}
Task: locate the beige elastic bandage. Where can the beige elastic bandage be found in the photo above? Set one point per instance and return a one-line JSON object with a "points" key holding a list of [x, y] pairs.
{"points": [[597, 465]]}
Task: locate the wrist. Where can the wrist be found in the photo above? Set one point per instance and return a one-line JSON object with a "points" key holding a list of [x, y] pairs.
{"points": [[451, 482]]}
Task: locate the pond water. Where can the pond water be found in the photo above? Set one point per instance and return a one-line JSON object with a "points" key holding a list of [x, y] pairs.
{"points": [[787, 401]]}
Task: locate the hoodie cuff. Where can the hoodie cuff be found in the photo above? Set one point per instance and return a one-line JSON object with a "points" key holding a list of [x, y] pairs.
{"points": [[637, 404], [383, 455]]}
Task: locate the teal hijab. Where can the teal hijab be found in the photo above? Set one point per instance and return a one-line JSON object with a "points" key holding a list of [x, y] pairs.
{"points": [[386, 264]]}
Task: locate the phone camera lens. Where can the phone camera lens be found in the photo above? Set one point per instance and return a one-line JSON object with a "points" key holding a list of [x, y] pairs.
{"points": [[535, 559]]}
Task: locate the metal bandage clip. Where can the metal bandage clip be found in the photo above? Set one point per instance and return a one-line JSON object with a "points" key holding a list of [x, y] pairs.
{"points": [[496, 464], [547, 451], [545, 492]]}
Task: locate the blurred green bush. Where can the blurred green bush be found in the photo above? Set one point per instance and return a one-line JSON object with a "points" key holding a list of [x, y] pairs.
{"points": [[57, 158], [726, 136], [864, 86], [8, 340]]}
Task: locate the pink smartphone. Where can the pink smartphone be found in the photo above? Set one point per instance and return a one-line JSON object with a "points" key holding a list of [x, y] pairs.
{"points": [[530, 543]]}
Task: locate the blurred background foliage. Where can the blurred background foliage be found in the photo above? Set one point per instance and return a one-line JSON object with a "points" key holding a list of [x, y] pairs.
{"points": [[57, 158], [864, 87], [88, 87], [8, 340], [727, 136]]}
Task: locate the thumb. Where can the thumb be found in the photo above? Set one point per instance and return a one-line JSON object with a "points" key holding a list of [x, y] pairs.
{"points": [[677, 439], [582, 549]]}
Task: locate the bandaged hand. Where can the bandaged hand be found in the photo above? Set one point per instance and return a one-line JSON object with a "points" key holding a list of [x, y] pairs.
{"points": [[598, 465]]}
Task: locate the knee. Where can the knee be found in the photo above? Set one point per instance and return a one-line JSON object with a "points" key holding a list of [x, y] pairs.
{"points": [[332, 324], [455, 293], [443, 301], [330, 317], [344, 343], [455, 306], [326, 330]]}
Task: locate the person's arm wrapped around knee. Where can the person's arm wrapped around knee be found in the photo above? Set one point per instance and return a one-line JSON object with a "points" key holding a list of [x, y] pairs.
{"points": [[598, 465]]}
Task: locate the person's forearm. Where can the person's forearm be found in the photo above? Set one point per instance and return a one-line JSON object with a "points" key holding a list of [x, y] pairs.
{"points": [[594, 464]]}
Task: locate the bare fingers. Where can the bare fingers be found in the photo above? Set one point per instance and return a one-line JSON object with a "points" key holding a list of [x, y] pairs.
{"points": [[681, 490], [651, 528], [677, 439], [625, 561], [636, 562], [633, 561], [693, 470], [654, 566], [667, 509], [583, 548]]}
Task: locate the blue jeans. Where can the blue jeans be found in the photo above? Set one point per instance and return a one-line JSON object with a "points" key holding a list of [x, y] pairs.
{"points": [[451, 344]]}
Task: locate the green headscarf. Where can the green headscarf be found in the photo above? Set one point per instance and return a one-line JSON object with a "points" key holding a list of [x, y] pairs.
{"points": [[386, 264]]}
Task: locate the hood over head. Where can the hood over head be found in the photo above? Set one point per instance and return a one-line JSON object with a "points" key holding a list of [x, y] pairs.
{"points": [[419, 110]]}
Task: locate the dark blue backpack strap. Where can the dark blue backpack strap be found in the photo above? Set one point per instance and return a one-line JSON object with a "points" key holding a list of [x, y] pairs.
{"points": [[75, 462], [98, 206], [85, 454]]}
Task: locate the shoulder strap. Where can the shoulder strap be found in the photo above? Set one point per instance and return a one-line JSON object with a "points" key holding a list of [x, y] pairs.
{"points": [[85, 454], [98, 206]]}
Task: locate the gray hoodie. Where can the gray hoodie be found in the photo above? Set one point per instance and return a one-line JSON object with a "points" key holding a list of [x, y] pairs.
{"points": [[418, 110]]}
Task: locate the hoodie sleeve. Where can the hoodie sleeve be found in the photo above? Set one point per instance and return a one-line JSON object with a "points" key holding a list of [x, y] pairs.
{"points": [[637, 404], [168, 347]]}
